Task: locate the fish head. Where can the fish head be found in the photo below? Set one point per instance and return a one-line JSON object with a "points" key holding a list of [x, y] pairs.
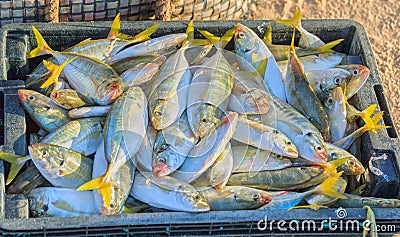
{"points": [[336, 101], [358, 76], [34, 102], [162, 114], [314, 149], [204, 120], [252, 196], [115, 206], [254, 100], [284, 144], [244, 38], [194, 200], [38, 203], [352, 166], [109, 91], [332, 78], [50, 159]]}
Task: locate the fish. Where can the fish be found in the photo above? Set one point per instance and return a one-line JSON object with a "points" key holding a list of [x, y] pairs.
{"points": [[210, 88], [307, 40], [44, 112], [168, 193], [61, 166], [359, 75], [70, 99], [28, 180], [205, 153], [119, 192], [315, 62], [304, 135], [335, 107], [82, 136], [250, 159], [62, 202], [287, 199], [217, 174], [300, 95], [356, 201], [235, 198], [88, 76], [89, 111], [254, 55], [172, 146], [264, 137], [124, 132], [290, 178], [249, 94], [160, 45], [325, 80], [280, 51]]}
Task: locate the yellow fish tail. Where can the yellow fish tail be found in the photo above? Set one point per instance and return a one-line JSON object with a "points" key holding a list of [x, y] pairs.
{"points": [[327, 48], [219, 42], [326, 188], [145, 35], [268, 36], [42, 48], [55, 71], [16, 162], [331, 166], [294, 22]]}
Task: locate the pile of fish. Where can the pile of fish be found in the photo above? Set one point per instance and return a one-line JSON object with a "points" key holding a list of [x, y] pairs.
{"points": [[130, 124]]}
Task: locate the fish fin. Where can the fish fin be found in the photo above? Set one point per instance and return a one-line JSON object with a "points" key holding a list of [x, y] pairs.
{"points": [[115, 27], [55, 71], [190, 31], [313, 206], [371, 123], [219, 42], [294, 22], [144, 35], [327, 48], [16, 162], [327, 187], [267, 39], [262, 66], [190, 40], [331, 166], [42, 48]]}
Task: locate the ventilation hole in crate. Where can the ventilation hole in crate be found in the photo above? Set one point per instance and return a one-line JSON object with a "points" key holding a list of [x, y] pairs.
{"points": [[1, 118], [386, 115]]}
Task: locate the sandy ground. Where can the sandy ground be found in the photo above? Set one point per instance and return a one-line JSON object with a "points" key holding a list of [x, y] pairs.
{"points": [[379, 17]]}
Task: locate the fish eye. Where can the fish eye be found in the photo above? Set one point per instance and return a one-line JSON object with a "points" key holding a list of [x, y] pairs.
{"points": [[256, 196], [330, 101], [31, 97], [337, 80], [159, 113], [352, 163], [278, 156], [204, 53], [45, 208], [204, 120], [112, 205], [197, 197], [289, 143], [161, 160], [318, 148], [61, 162], [355, 72], [242, 35], [275, 131], [44, 153]]}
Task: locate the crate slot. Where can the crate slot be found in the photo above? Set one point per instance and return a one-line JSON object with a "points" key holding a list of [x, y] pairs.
{"points": [[386, 115], [1, 118]]}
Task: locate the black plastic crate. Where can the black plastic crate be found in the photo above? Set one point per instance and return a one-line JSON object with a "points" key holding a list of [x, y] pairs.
{"points": [[17, 40]]}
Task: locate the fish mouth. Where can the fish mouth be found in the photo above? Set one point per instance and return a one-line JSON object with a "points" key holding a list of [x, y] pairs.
{"points": [[115, 90], [322, 156], [364, 72], [338, 94], [160, 170], [291, 152], [21, 95], [30, 150], [202, 206], [266, 199]]}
